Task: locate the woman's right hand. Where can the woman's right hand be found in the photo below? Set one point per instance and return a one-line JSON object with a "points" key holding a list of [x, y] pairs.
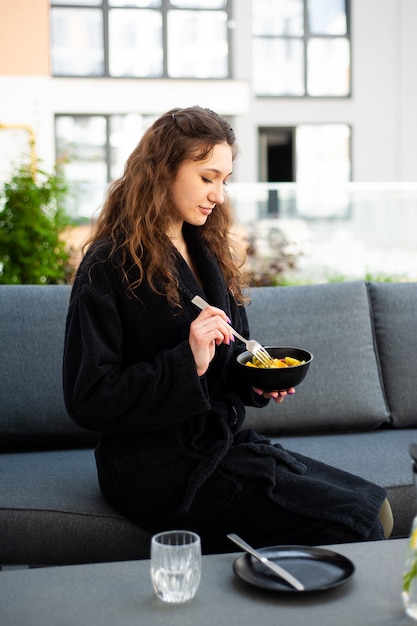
{"points": [[277, 396], [208, 330]]}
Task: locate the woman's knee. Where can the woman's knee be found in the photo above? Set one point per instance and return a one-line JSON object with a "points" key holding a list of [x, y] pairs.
{"points": [[386, 518]]}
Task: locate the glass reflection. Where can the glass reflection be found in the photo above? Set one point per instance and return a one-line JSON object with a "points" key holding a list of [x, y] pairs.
{"points": [[278, 17], [323, 169], [78, 2], [328, 67], [197, 44], [199, 4], [81, 151], [77, 42], [327, 17], [141, 4], [125, 132], [278, 67], [135, 43]]}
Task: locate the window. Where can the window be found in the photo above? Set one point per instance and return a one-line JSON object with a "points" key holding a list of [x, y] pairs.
{"points": [[92, 150], [323, 169], [315, 156], [142, 38], [301, 48]]}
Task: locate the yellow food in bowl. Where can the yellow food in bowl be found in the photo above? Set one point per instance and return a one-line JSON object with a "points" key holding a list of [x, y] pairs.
{"points": [[287, 361]]}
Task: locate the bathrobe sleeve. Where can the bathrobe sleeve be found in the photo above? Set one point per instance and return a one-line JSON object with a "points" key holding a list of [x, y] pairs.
{"points": [[109, 392]]}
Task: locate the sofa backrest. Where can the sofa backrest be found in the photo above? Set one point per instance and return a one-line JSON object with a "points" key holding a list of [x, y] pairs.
{"points": [[394, 308], [363, 338], [32, 327], [343, 388]]}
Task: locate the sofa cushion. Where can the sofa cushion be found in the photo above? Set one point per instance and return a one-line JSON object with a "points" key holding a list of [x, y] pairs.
{"points": [[32, 327], [342, 390], [52, 512], [395, 319]]}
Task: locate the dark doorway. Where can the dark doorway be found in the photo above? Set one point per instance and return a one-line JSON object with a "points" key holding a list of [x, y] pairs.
{"points": [[277, 155]]}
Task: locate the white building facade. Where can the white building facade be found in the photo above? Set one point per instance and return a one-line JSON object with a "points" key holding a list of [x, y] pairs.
{"points": [[373, 122]]}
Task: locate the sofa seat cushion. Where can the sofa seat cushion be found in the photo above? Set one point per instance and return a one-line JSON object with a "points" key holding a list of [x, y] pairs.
{"points": [[342, 390], [52, 512], [381, 457], [395, 318]]}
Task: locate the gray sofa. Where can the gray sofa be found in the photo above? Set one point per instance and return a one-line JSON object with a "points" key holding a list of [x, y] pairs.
{"points": [[357, 409]]}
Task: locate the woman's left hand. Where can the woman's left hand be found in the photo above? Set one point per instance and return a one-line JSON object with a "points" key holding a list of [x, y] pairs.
{"points": [[277, 396]]}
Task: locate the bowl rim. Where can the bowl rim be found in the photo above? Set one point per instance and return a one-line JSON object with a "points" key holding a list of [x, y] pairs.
{"points": [[266, 369]]}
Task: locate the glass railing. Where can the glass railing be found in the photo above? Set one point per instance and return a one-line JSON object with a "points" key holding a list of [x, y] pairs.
{"points": [[322, 233]]}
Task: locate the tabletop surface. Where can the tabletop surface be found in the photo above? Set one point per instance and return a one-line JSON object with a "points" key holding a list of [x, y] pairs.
{"points": [[120, 594]]}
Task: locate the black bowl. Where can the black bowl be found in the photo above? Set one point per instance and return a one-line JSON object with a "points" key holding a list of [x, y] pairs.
{"points": [[275, 379]]}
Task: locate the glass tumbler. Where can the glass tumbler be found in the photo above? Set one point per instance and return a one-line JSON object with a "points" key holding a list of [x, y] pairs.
{"points": [[409, 586], [175, 565], [409, 589]]}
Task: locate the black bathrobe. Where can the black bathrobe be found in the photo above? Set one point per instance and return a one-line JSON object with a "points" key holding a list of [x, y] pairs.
{"points": [[173, 451]]}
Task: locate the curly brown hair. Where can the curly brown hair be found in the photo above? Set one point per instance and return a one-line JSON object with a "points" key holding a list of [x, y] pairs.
{"points": [[138, 211]]}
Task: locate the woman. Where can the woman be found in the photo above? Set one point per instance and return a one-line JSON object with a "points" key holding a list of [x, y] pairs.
{"points": [[157, 377]]}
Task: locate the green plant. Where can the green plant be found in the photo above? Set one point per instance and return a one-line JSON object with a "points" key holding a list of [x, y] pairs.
{"points": [[32, 219]]}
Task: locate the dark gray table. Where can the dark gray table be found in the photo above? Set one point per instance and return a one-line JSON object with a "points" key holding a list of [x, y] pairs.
{"points": [[120, 594]]}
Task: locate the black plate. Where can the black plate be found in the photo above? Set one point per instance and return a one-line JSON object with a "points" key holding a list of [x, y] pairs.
{"points": [[317, 568]]}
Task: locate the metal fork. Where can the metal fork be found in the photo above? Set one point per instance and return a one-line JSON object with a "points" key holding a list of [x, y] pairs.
{"points": [[252, 346]]}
